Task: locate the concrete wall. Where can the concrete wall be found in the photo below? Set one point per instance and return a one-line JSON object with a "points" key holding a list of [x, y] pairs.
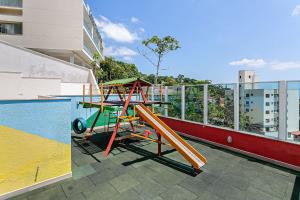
{"points": [[14, 86], [25, 74], [32, 64], [54, 24], [35, 143]]}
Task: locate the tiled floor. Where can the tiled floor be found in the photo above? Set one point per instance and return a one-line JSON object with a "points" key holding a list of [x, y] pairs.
{"points": [[133, 171]]}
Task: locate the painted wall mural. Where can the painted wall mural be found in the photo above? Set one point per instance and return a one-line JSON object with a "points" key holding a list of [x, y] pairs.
{"points": [[89, 114], [35, 142]]}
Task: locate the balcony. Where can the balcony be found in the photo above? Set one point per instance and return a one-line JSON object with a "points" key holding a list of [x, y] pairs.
{"points": [[88, 50], [91, 30]]}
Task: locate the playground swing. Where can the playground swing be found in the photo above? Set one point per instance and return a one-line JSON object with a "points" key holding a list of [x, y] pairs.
{"points": [[141, 112]]}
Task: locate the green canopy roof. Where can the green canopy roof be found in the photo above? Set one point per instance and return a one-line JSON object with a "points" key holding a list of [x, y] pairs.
{"points": [[127, 82]]}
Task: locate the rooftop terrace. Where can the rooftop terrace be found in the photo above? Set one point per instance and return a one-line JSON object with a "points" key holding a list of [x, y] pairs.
{"points": [[133, 171]]}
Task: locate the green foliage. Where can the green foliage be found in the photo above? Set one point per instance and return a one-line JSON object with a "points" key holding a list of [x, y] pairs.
{"points": [[194, 103], [113, 69], [220, 106], [170, 80], [160, 47]]}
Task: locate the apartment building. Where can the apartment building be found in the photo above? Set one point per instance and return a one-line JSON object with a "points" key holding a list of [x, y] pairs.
{"points": [[64, 29], [260, 104]]}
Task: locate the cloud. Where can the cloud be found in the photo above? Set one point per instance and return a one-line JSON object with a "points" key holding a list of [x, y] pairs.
{"points": [[285, 65], [115, 31], [296, 11], [134, 20], [249, 62], [122, 52], [272, 65], [142, 30]]}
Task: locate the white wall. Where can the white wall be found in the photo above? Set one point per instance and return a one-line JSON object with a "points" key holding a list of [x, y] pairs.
{"points": [[33, 64], [71, 88], [10, 85], [25, 74], [14, 86], [55, 24], [34, 87]]}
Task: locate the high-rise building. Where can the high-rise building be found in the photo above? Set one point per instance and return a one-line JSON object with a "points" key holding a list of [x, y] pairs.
{"points": [[62, 29], [259, 103]]}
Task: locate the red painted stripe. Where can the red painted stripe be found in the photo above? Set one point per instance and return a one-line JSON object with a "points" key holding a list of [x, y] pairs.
{"points": [[281, 151]]}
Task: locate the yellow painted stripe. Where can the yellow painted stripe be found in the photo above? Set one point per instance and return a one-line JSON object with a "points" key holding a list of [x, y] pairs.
{"points": [[26, 159]]}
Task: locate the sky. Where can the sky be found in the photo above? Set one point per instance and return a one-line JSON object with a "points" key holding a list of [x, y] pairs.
{"points": [[217, 38]]}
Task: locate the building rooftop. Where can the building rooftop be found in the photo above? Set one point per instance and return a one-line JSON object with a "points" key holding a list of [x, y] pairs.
{"points": [[133, 171]]}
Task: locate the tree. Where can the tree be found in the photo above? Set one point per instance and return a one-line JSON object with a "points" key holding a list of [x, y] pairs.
{"points": [[113, 69], [180, 78], [95, 63], [160, 47]]}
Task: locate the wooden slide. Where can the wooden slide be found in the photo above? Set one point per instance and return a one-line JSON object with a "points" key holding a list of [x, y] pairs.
{"points": [[185, 149]]}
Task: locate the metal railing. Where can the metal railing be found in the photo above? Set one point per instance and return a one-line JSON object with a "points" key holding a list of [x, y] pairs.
{"points": [[270, 109]]}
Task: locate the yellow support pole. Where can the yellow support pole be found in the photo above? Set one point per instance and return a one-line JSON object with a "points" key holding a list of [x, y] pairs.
{"points": [[91, 93], [149, 139]]}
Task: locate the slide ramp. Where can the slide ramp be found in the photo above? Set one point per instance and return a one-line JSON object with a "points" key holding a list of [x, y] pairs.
{"points": [[188, 152]]}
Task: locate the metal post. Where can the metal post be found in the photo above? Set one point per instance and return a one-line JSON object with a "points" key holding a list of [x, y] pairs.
{"points": [[152, 93], [205, 104], [166, 101], [152, 98], [183, 102], [236, 107], [282, 130]]}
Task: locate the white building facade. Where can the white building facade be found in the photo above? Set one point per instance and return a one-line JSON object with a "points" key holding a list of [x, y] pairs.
{"points": [[261, 106], [63, 29]]}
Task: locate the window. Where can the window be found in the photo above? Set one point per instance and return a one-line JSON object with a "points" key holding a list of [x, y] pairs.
{"points": [[247, 110], [267, 103], [267, 129], [249, 77], [251, 94], [11, 3], [267, 120], [247, 95], [267, 95], [240, 77], [11, 28], [267, 112], [247, 102]]}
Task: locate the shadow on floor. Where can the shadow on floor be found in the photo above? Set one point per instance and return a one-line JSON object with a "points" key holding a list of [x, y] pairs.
{"points": [[296, 190], [160, 159]]}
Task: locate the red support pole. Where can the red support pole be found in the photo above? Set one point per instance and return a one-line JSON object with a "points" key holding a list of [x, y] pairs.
{"points": [[95, 121], [107, 95], [120, 96], [142, 92], [119, 121]]}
